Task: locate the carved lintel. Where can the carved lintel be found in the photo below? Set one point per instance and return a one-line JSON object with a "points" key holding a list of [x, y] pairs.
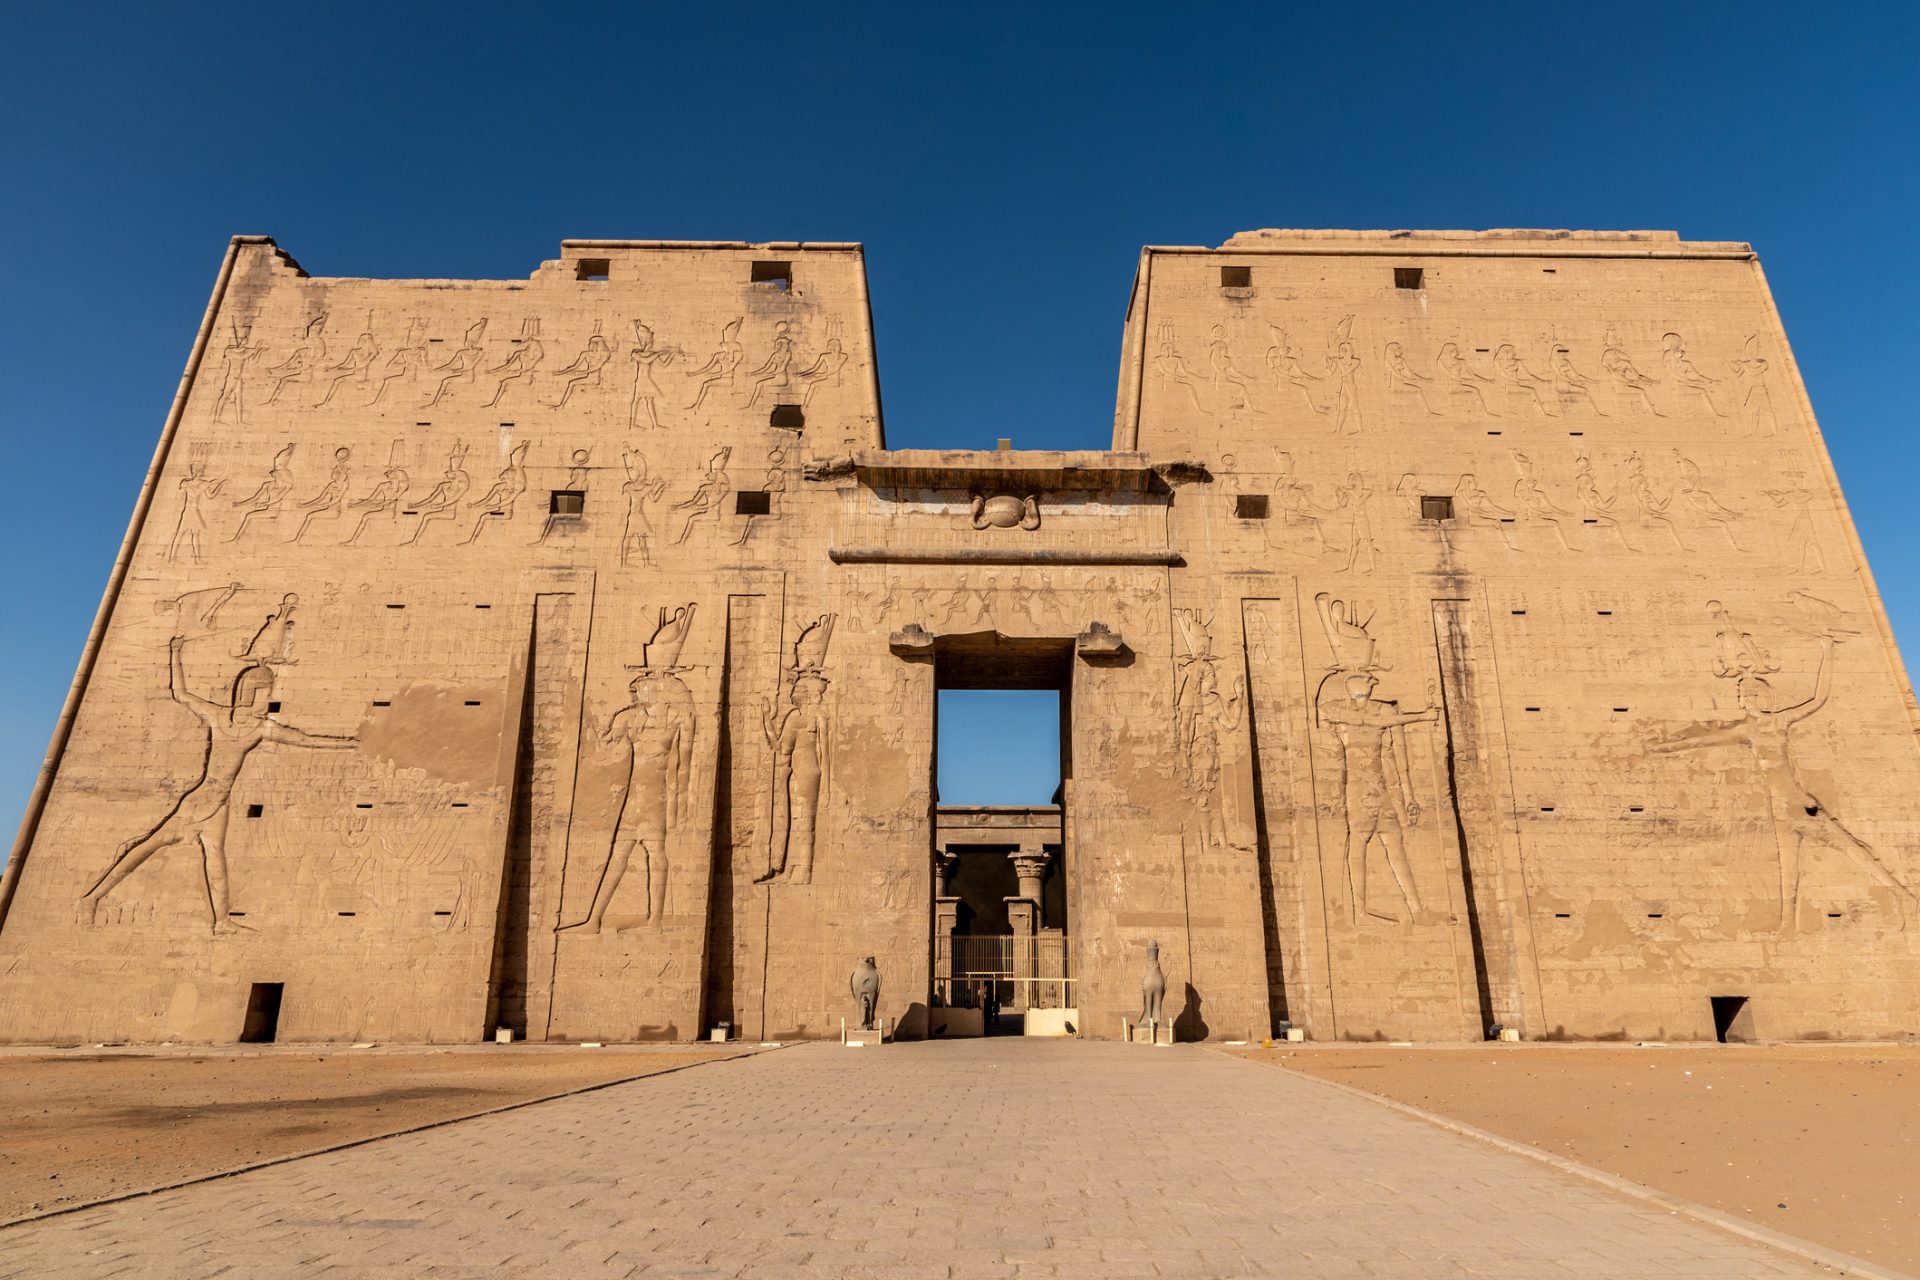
{"points": [[911, 641], [836, 468], [1099, 642], [1005, 555]]}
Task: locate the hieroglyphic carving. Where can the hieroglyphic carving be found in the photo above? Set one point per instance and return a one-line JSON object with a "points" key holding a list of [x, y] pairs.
{"points": [[387, 497], [585, 367], [1682, 373], [1629, 384], [1702, 503], [1800, 532], [577, 471], [331, 502], [638, 491], [826, 367], [1298, 510], [356, 366], [1534, 501], [1377, 797], [309, 354], [646, 392], [801, 736], [271, 494], [1798, 816], [1463, 382], [775, 374], [463, 365], [1202, 714], [197, 491], [710, 498], [775, 483], [1351, 503], [1401, 377], [1286, 366], [1750, 388], [1572, 388], [1596, 508], [443, 502], [1171, 367], [409, 359], [1229, 384], [1651, 506], [498, 502], [655, 732], [721, 368], [1521, 384], [1344, 367], [233, 729], [522, 362], [1474, 501], [235, 360]]}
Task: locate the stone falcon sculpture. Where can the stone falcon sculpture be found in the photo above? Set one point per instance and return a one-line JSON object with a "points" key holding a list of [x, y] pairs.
{"points": [[865, 985], [1153, 987]]}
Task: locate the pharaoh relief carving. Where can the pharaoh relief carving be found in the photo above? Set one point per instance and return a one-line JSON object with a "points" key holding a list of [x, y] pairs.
{"points": [[234, 722], [1694, 388], [497, 504], [1750, 390], [355, 367], [406, 364], [646, 357], [1805, 543], [775, 374], [1291, 378], [1203, 713], [331, 502], [638, 490], [1004, 511], [463, 366], [236, 359], [522, 363], [801, 738], [1629, 384], [709, 499], [654, 733], [385, 499], [826, 367], [1377, 800], [721, 368], [197, 492], [585, 368], [308, 356], [1763, 735], [270, 496], [443, 500]]}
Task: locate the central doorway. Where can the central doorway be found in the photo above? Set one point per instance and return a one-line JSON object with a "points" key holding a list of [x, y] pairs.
{"points": [[1001, 848]]}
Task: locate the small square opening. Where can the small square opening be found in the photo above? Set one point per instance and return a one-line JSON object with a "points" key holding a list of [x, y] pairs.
{"points": [[1250, 506], [1236, 277], [1440, 508], [753, 502], [273, 708], [1732, 1020], [263, 1013], [1409, 277], [256, 810], [777, 274], [592, 268], [789, 417], [567, 502]]}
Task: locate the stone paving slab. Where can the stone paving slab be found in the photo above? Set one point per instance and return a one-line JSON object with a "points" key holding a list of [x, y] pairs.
{"points": [[981, 1158]]}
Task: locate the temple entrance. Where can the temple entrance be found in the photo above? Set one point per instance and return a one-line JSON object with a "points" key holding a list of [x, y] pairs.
{"points": [[1001, 849]]}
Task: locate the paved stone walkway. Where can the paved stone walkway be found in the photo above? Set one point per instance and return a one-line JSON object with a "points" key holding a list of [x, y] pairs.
{"points": [[976, 1158]]}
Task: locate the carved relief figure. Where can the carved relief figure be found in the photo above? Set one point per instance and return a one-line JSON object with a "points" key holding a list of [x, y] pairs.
{"points": [[1344, 367], [1377, 796], [1570, 386], [1474, 501], [1229, 384], [646, 392], [443, 503], [197, 491], [775, 483], [1750, 388], [1682, 373], [801, 737], [234, 363], [331, 501], [638, 490], [1462, 381], [408, 360], [1287, 368], [1171, 368], [1595, 508], [1703, 504], [826, 367], [1402, 378], [1354, 498], [307, 357], [585, 368], [1800, 532], [498, 502], [233, 728], [577, 470], [273, 491], [711, 496], [1202, 714], [1534, 501], [1519, 383], [1298, 511], [655, 732], [773, 375], [1629, 384], [1652, 507], [462, 365], [387, 497], [521, 362], [356, 366], [720, 368], [1764, 729]]}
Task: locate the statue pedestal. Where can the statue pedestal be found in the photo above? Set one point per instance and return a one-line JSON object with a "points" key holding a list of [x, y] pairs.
{"points": [[856, 1038], [1160, 1033]]}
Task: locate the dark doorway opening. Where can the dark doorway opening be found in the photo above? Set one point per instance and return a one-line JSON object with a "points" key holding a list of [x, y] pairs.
{"points": [[263, 1013], [1732, 1020]]}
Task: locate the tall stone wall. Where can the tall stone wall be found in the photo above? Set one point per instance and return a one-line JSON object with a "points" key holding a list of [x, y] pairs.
{"points": [[1464, 629]]}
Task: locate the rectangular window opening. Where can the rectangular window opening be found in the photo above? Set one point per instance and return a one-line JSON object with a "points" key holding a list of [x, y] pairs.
{"points": [[1549, 271], [1604, 613], [1621, 709], [263, 1013], [256, 810], [424, 424], [1519, 613], [459, 804], [1563, 915], [592, 268], [567, 502], [788, 417], [1236, 277], [777, 274], [473, 702], [273, 708], [396, 606], [483, 606], [1532, 708], [346, 913], [1436, 508], [1408, 277], [1732, 1019], [752, 502], [1250, 506], [1546, 808], [362, 805], [1833, 915], [1656, 915], [1636, 808], [443, 913], [382, 702], [1493, 433]]}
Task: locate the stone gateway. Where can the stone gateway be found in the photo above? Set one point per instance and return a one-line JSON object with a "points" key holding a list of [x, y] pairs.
{"points": [[1464, 630]]}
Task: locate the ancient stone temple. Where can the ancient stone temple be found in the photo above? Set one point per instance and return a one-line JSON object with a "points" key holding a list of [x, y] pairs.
{"points": [[1464, 630]]}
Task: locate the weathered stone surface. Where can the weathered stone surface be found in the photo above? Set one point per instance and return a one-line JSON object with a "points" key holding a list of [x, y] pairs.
{"points": [[561, 654]]}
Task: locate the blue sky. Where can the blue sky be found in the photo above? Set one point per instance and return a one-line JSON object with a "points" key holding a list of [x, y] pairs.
{"points": [[1002, 164]]}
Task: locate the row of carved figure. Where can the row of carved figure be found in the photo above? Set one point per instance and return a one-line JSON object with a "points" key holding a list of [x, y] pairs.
{"points": [[335, 510], [1508, 382], [653, 736], [1629, 507], [302, 372]]}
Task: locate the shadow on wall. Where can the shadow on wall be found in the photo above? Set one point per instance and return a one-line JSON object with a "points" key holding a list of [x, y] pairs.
{"points": [[1190, 1025]]}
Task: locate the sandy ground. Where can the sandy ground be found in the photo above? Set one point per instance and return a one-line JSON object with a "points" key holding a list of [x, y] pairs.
{"points": [[1817, 1141], [79, 1125]]}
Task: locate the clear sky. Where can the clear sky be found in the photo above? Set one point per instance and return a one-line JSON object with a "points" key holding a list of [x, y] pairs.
{"points": [[1002, 164]]}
